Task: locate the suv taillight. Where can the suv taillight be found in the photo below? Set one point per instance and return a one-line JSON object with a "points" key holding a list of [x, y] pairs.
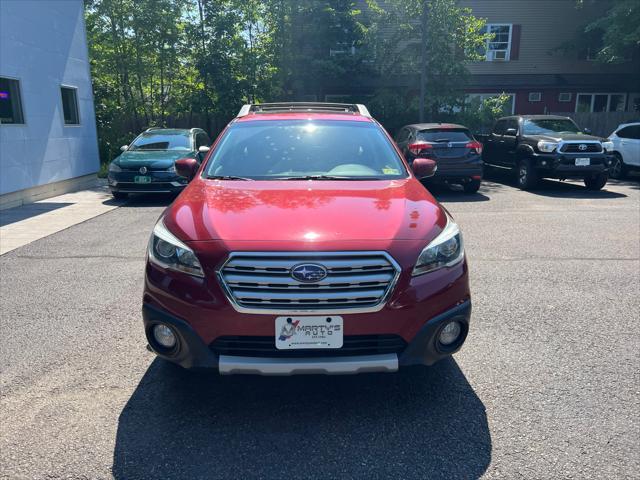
{"points": [[475, 145], [417, 147]]}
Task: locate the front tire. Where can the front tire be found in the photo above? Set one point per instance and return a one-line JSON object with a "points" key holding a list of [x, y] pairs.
{"points": [[596, 182], [119, 195], [527, 175], [617, 169], [471, 187]]}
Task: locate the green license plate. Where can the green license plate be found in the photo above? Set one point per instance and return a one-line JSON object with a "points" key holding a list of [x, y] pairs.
{"points": [[139, 179]]}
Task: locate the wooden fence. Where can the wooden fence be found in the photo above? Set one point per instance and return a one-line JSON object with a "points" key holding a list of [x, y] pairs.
{"points": [[601, 123]]}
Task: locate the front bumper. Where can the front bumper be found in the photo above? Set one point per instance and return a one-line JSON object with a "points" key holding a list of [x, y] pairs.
{"points": [[457, 169], [413, 313], [161, 182], [559, 165]]}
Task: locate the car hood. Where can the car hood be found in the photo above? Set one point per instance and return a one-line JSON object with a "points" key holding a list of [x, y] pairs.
{"points": [[305, 211], [152, 159], [569, 137]]}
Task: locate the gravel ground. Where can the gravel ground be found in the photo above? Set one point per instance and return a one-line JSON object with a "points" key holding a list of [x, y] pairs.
{"points": [[547, 385]]}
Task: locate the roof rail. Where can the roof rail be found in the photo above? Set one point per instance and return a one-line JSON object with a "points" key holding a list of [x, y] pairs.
{"points": [[154, 128], [311, 107]]}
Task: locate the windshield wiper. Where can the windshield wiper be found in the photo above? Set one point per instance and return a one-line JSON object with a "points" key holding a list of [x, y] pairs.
{"points": [[227, 177], [325, 177]]}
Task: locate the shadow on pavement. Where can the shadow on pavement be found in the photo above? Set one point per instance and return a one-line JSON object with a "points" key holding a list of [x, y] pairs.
{"points": [[554, 188], [454, 193], [418, 423], [146, 200], [23, 212]]}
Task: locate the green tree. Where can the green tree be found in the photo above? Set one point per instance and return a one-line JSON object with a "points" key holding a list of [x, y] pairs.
{"points": [[323, 44], [136, 51], [444, 39], [617, 32]]}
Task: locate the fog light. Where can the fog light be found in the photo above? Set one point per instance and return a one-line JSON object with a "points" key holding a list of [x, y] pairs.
{"points": [[450, 333], [164, 336]]}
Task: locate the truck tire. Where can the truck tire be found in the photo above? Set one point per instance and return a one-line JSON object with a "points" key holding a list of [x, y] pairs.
{"points": [[527, 177], [119, 195], [596, 182], [471, 187], [618, 169]]}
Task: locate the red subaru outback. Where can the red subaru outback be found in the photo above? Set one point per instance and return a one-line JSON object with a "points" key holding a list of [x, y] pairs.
{"points": [[305, 244]]}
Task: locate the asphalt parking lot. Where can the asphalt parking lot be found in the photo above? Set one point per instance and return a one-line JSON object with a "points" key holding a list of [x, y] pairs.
{"points": [[547, 385]]}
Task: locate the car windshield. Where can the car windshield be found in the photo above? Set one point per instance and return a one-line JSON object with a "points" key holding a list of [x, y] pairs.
{"points": [[162, 141], [305, 149], [549, 125], [444, 135]]}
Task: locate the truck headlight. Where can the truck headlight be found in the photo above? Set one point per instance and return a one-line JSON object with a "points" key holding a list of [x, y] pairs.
{"points": [[169, 252], [547, 147], [114, 167], [445, 250], [608, 146]]}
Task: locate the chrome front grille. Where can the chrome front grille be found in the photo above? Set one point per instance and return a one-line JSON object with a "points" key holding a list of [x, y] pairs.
{"points": [[574, 147], [261, 282]]}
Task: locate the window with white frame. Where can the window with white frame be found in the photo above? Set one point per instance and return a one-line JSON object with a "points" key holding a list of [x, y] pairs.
{"points": [[535, 96], [564, 97], [509, 107], [498, 47], [601, 102]]}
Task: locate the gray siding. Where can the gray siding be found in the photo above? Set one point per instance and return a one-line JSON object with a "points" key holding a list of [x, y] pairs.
{"points": [[546, 24], [43, 45]]}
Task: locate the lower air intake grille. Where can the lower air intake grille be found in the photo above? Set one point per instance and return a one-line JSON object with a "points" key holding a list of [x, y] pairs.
{"points": [[265, 347]]}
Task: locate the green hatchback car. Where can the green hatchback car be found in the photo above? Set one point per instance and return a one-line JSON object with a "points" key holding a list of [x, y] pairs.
{"points": [[147, 165]]}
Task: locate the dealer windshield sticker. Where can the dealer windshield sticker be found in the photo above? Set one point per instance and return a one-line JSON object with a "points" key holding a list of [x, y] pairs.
{"points": [[390, 171]]}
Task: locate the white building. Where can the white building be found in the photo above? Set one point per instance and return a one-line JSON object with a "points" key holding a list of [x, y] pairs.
{"points": [[48, 141]]}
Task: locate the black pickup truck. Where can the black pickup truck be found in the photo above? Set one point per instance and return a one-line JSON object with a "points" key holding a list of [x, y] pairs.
{"points": [[546, 146]]}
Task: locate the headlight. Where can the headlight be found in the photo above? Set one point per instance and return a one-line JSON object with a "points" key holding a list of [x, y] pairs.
{"points": [[608, 146], [547, 147], [172, 169], [113, 167], [444, 251], [167, 251]]}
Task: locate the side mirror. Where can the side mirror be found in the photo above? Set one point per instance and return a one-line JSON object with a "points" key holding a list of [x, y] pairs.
{"points": [[587, 131], [203, 149], [187, 167], [512, 132], [124, 147], [424, 167]]}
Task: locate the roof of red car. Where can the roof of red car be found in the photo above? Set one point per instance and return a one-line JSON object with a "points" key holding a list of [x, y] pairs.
{"points": [[352, 117]]}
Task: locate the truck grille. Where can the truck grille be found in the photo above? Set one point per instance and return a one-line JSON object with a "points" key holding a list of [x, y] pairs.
{"points": [[354, 280], [352, 345], [592, 147]]}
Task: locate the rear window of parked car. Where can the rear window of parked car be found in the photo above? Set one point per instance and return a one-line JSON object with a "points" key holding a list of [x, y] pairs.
{"points": [[162, 141], [445, 135], [632, 131], [273, 149]]}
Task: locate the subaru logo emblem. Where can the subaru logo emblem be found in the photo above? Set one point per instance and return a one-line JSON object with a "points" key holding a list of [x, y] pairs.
{"points": [[308, 272], [143, 170], [582, 147]]}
